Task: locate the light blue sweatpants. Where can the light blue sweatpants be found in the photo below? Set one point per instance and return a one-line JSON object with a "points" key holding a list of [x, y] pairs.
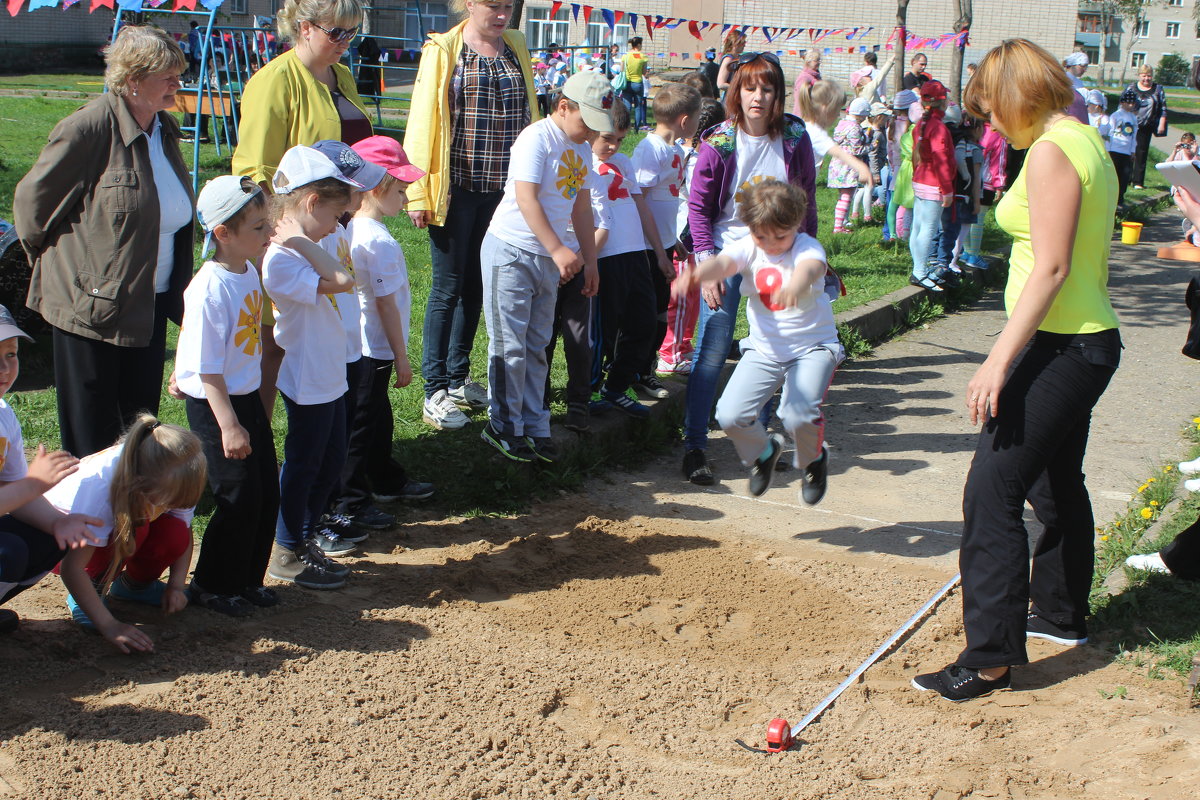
{"points": [[753, 383], [519, 292]]}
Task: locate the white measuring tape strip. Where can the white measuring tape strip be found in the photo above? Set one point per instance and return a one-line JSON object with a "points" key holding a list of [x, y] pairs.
{"points": [[910, 623]]}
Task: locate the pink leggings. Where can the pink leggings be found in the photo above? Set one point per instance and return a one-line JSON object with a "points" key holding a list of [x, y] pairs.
{"points": [[681, 320]]}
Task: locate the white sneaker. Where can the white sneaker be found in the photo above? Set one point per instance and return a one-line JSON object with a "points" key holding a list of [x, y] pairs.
{"points": [[469, 395], [1192, 485], [1151, 562], [441, 413], [665, 367], [1190, 467]]}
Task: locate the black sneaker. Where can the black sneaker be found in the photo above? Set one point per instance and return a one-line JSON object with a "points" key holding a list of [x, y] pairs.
{"points": [[696, 469], [342, 527], [957, 683], [579, 418], [764, 467], [815, 479], [1042, 628], [542, 448], [651, 386], [408, 492], [231, 605], [260, 596], [314, 555], [625, 403], [9, 621], [370, 517], [514, 451]]}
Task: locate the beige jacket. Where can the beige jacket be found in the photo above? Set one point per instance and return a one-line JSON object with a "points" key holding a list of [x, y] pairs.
{"points": [[87, 216]]}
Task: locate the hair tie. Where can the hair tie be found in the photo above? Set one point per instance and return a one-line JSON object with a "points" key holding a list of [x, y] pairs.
{"points": [[155, 424]]}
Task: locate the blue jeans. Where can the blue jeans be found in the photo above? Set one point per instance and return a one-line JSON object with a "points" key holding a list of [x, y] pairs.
{"points": [[943, 244], [456, 292], [714, 337], [927, 217], [635, 95], [314, 453]]}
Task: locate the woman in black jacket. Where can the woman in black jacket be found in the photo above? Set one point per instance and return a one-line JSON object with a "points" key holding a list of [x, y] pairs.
{"points": [[1152, 120]]}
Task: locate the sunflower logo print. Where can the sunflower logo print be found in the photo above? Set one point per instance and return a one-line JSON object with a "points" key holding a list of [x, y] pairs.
{"points": [[247, 336], [343, 256], [571, 174], [740, 197]]}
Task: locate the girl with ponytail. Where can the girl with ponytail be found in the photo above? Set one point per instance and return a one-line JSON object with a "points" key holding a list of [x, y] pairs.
{"points": [[143, 490], [932, 183]]}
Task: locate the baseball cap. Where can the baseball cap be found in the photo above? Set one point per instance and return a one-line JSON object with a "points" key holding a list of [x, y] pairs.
{"points": [[8, 326], [860, 107], [1129, 96], [933, 90], [1076, 60], [879, 109], [954, 115], [222, 197], [904, 99], [386, 153], [302, 165], [1096, 97], [350, 163], [594, 94]]}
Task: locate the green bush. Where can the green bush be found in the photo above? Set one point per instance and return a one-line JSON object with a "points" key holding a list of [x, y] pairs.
{"points": [[1172, 70]]}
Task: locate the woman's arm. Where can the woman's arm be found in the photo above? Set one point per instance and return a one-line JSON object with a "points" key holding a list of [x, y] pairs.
{"points": [[704, 196], [263, 131], [1055, 197], [424, 124], [65, 171], [725, 72], [1161, 98]]}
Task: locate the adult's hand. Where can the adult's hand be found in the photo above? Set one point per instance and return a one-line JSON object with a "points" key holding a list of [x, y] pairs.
{"points": [[419, 218], [1188, 204]]}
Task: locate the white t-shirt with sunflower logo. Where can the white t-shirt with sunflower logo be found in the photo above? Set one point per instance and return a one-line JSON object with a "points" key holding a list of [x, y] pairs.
{"points": [[561, 169], [340, 245], [758, 158], [222, 311]]}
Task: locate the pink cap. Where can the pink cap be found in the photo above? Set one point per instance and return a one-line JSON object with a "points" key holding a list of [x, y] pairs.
{"points": [[387, 153]]}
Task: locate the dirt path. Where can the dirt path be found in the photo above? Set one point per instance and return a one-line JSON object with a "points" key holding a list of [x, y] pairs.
{"points": [[615, 643]]}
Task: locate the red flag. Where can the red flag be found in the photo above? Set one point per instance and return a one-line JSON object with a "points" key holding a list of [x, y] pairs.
{"points": [[649, 25], [185, 5], [554, 7], [14, 7], [619, 15], [587, 14], [97, 3], [694, 29]]}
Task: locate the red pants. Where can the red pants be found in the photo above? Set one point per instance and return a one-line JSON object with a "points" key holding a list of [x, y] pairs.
{"points": [[681, 320], [158, 546]]}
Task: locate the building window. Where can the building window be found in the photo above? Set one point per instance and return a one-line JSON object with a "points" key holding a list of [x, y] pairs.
{"points": [[1172, 30], [598, 35], [1093, 54], [1143, 29], [541, 31], [1137, 59], [237, 6], [1176, 3], [420, 19]]}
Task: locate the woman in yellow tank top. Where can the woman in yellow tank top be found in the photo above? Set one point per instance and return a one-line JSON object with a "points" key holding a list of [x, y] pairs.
{"points": [[1035, 391], [634, 64]]}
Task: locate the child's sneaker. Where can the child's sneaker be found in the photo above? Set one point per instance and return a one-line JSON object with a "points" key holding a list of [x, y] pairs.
{"points": [[342, 525], [331, 544], [579, 418], [441, 412], [651, 386], [815, 479], [668, 368], [510, 450], [624, 402], [260, 596], [231, 605], [542, 448], [372, 518], [764, 466], [151, 594], [302, 567], [598, 405], [79, 616], [469, 395]]}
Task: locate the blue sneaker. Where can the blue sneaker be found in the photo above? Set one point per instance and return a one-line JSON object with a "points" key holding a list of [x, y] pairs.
{"points": [[150, 595], [598, 405], [627, 404], [80, 616], [973, 261]]}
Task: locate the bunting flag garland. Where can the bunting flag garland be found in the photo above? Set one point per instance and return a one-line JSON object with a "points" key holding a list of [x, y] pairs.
{"points": [[610, 19], [14, 7], [68, 3], [185, 5], [633, 20], [554, 7]]}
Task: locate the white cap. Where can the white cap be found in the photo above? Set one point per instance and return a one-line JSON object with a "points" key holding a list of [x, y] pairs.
{"points": [[953, 115], [222, 197], [860, 107], [1076, 60], [1095, 97], [303, 165]]}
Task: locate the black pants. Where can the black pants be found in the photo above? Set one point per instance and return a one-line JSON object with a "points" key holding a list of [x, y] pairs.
{"points": [[1124, 166], [101, 387], [624, 323], [1032, 451], [573, 318], [237, 542], [371, 428], [1138, 176], [314, 453], [662, 302], [26, 555], [1182, 556]]}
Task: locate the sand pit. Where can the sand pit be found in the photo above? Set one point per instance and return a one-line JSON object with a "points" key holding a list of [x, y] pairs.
{"points": [[570, 654]]}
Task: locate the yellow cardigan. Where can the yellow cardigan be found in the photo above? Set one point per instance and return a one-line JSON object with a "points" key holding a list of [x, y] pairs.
{"points": [[283, 106], [427, 134]]}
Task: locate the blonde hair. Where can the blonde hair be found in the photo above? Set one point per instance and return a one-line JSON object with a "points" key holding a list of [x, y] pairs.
{"points": [[820, 102], [735, 43], [159, 464], [1018, 83], [138, 51], [773, 205], [1146, 69], [341, 13], [460, 6], [327, 190]]}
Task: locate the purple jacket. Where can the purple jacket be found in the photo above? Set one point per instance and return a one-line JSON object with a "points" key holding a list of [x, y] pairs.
{"points": [[716, 163]]}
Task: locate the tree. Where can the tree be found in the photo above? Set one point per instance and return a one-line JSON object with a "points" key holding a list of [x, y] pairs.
{"points": [[963, 9], [1172, 70], [902, 28], [515, 20], [1133, 12]]}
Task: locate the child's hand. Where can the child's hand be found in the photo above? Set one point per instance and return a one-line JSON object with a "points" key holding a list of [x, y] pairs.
{"points": [[568, 262], [404, 373], [127, 638], [173, 388], [287, 228], [48, 469], [591, 280], [174, 600], [72, 532], [236, 442], [683, 285], [665, 266]]}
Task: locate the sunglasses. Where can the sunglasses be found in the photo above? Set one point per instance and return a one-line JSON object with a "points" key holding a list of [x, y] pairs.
{"points": [[746, 58], [337, 35]]}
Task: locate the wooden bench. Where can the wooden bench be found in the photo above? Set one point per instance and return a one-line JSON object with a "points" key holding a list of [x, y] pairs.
{"points": [[216, 104]]}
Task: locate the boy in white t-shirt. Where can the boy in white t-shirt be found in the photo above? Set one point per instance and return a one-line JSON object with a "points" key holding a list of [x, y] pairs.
{"points": [[659, 162], [1122, 140], [540, 237], [793, 340], [218, 368]]}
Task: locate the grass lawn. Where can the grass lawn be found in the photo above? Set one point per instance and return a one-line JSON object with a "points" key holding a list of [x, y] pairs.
{"points": [[55, 81], [469, 479]]}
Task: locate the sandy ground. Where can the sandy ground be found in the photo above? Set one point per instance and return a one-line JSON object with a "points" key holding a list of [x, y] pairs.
{"points": [[616, 642]]}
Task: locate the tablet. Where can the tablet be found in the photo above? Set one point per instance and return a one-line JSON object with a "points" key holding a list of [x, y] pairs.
{"points": [[1182, 173]]}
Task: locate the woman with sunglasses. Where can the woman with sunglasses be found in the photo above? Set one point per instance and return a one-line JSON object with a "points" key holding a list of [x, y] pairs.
{"points": [[757, 141]]}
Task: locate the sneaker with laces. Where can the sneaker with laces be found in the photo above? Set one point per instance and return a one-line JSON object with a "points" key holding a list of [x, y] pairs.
{"points": [[579, 418], [342, 525], [598, 405], [815, 479], [303, 568], [623, 402], [1041, 628], [331, 543], [151, 594], [668, 368], [764, 466], [1150, 562], [651, 386], [260, 596], [542, 448], [469, 395], [409, 491], [957, 683], [696, 469], [441, 412], [370, 518], [515, 450], [231, 605]]}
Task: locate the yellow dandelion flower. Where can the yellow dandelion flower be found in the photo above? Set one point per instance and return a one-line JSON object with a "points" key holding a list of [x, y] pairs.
{"points": [[1167, 468], [1154, 503], [1104, 538], [1142, 488], [1147, 513], [1151, 480], [1196, 420]]}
